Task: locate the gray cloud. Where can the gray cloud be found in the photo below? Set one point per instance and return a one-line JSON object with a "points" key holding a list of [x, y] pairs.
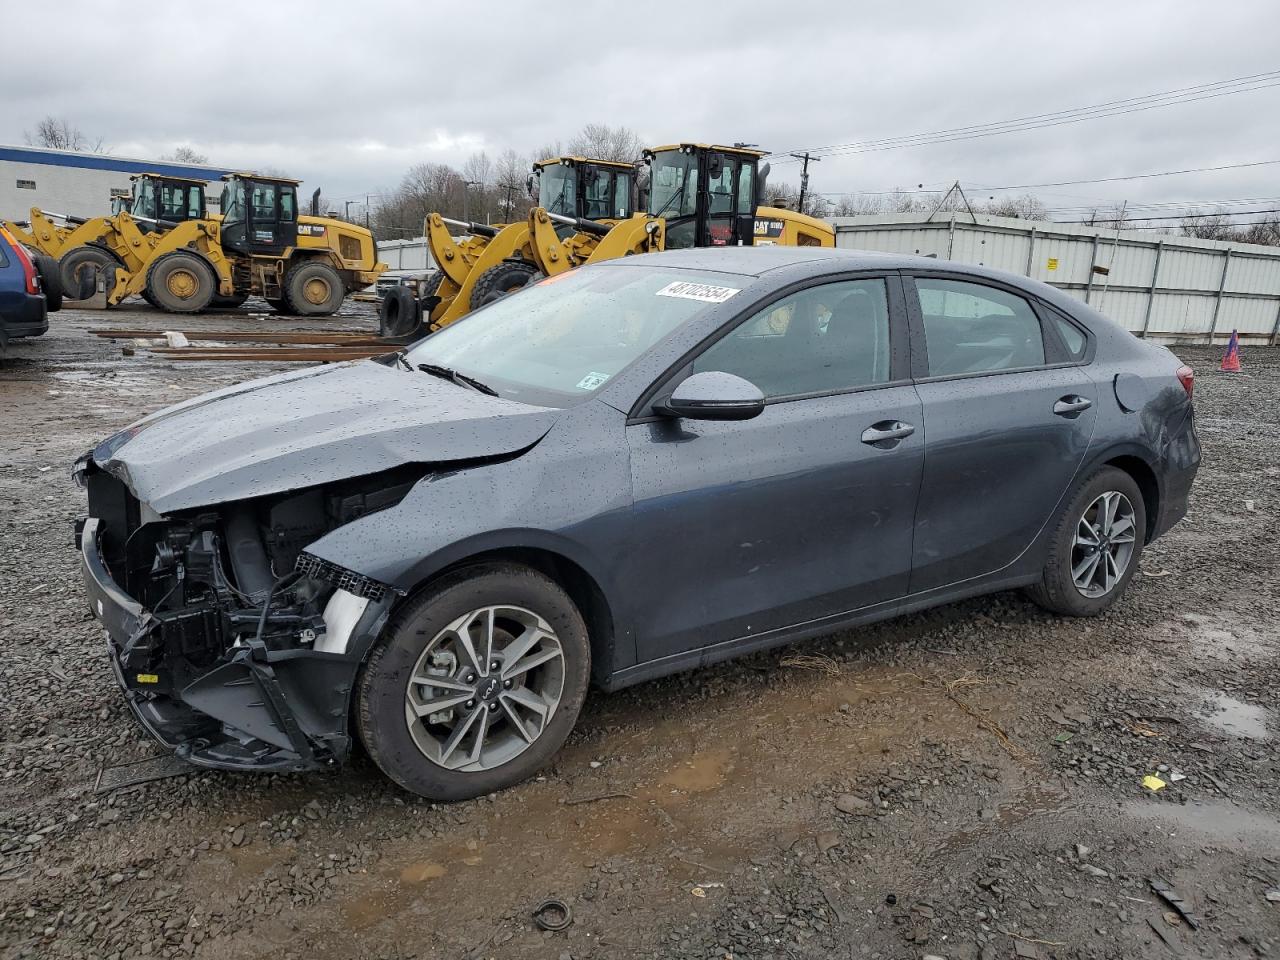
{"points": [[347, 96]]}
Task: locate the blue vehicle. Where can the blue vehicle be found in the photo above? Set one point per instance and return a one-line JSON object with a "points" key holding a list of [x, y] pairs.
{"points": [[24, 307]]}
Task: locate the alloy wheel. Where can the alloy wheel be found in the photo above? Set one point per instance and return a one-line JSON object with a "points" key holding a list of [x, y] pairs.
{"points": [[1103, 544], [485, 688]]}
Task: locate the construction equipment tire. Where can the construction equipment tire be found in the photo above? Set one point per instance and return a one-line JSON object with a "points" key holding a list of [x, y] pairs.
{"points": [[398, 313], [50, 280], [79, 269], [181, 283], [500, 280], [279, 304], [314, 289], [229, 303]]}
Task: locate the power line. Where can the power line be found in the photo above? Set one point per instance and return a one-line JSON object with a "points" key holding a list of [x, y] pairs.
{"points": [[1058, 183], [1175, 216], [1153, 101]]}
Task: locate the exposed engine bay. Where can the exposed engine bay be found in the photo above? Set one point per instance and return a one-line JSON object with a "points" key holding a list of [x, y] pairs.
{"points": [[241, 653]]}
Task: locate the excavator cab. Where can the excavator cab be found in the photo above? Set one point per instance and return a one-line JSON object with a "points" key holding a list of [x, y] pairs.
{"points": [[259, 214], [584, 188], [156, 199], [707, 194]]}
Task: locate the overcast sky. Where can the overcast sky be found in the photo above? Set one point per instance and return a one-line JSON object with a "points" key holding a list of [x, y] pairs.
{"points": [[347, 96]]}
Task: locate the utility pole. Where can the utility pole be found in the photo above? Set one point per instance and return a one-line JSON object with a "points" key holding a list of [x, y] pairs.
{"points": [[366, 211], [804, 176], [466, 198]]}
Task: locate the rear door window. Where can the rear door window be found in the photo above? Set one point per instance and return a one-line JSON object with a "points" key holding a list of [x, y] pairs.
{"points": [[973, 328]]}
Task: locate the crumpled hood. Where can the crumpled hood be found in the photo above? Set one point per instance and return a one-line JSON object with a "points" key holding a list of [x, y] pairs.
{"points": [[308, 427]]}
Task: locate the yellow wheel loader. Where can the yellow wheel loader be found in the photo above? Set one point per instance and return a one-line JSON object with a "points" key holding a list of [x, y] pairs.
{"points": [[84, 246], [259, 245], [491, 260]]}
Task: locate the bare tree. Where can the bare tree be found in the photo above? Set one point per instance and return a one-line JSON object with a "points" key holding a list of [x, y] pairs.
{"points": [[185, 154], [510, 176], [57, 133], [1025, 207], [603, 142], [1214, 226]]}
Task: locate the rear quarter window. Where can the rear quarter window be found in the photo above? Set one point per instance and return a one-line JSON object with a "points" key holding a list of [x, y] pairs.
{"points": [[1073, 337]]}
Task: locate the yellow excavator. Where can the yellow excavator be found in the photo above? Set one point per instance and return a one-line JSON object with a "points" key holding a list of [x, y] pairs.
{"points": [[259, 245], [699, 195]]}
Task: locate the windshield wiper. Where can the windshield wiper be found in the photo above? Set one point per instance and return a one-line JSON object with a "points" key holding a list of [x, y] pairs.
{"points": [[402, 358], [674, 197], [461, 379]]}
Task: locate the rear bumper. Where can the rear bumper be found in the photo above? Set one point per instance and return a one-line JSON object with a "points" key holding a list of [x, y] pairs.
{"points": [[279, 711], [1178, 467], [28, 318]]}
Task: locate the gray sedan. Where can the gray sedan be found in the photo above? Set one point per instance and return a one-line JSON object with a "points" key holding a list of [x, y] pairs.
{"points": [[620, 472]]}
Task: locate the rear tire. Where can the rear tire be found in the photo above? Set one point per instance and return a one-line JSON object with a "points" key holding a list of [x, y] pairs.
{"points": [[79, 269], [314, 289], [500, 280], [421, 640], [181, 283], [398, 313], [1095, 546], [280, 304], [50, 281]]}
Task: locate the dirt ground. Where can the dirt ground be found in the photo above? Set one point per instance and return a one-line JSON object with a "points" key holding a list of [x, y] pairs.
{"points": [[962, 783]]}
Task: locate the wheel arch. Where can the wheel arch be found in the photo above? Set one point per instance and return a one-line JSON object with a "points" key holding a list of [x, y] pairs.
{"points": [[554, 562], [1137, 462]]}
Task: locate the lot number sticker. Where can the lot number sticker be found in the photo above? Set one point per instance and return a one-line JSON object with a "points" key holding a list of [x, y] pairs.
{"points": [[592, 380], [704, 292]]}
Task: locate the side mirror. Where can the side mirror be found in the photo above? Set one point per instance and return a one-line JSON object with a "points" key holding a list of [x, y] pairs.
{"points": [[713, 395]]}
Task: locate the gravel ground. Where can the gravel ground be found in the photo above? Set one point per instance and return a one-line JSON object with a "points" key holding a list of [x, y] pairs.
{"points": [[962, 783]]}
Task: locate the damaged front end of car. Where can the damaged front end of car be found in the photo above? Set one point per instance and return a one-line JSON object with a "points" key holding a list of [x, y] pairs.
{"points": [[235, 647]]}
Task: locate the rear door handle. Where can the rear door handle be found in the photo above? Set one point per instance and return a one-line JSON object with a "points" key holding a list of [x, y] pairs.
{"points": [[887, 433], [1071, 405]]}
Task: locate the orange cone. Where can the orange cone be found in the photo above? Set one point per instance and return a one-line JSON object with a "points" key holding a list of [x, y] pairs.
{"points": [[1231, 359]]}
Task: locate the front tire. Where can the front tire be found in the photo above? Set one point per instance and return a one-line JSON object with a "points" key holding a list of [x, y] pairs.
{"points": [[314, 289], [181, 283], [1095, 547], [50, 281], [79, 269], [475, 683], [500, 280]]}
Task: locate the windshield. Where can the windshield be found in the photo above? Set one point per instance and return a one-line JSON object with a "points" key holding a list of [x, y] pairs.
{"points": [[232, 203], [556, 190], [673, 190], [560, 340], [144, 198]]}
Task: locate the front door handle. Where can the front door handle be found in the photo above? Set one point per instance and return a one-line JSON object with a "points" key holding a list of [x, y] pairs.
{"points": [[887, 433], [1072, 405]]}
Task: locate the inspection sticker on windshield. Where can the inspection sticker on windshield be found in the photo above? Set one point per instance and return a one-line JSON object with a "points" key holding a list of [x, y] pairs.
{"points": [[592, 380], [697, 291]]}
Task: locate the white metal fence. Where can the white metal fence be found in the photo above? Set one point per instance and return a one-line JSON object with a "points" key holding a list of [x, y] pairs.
{"points": [[405, 254], [1164, 287]]}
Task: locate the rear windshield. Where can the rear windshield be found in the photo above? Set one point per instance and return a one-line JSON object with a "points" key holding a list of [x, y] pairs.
{"points": [[561, 339]]}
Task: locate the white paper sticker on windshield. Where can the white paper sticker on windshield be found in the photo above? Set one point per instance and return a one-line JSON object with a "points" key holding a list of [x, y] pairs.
{"points": [[697, 291], [592, 380]]}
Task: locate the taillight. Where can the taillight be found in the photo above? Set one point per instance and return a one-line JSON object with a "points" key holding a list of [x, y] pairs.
{"points": [[1187, 377], [28, 268]]}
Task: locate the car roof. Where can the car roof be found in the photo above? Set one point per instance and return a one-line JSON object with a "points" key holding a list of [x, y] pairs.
{"points": [[758, 261], [783, 264]]}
